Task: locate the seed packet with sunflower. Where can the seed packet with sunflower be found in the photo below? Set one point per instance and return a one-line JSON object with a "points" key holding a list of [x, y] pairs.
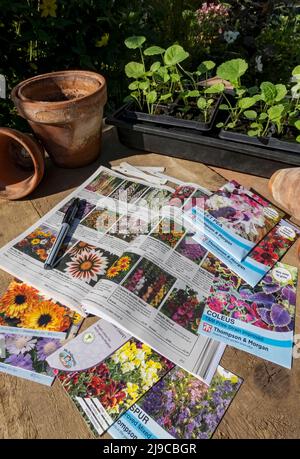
{"points": [[24, 310]]}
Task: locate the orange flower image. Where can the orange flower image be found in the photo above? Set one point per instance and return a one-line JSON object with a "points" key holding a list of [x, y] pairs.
{"points": [[46, 315], [17, 299]]}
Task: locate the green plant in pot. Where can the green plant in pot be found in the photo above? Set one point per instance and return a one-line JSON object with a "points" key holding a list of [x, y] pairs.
{"points": [[268, 115], [240, 102], [165, 87]]}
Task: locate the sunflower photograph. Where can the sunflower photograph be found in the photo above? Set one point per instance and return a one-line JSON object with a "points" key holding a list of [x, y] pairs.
{"points": [[17, 299], [86, 263], [22, 306]]}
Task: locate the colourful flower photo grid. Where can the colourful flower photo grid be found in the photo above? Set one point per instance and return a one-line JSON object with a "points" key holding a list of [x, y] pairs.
{"points": [[270, 305], [104, 184], [186, 407], [169, 232], [23, 306], [86, 262], [119, 380], [184, 306], [101, 220], [149, 282], [232, 206], [38, 243], [29, 353]]}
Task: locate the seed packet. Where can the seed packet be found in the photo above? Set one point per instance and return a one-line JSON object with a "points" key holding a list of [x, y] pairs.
{"points": [[262, 258], [25, 356], [234, 219], [25, 311], [105, 371], [259, 320], [179, 406]]}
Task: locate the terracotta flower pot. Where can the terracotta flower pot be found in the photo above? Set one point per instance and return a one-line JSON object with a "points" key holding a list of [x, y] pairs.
{"points": [[285, 188], [65, 111], [21, 164]]}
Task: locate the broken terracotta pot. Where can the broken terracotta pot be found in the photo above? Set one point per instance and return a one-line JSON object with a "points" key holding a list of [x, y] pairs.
{"points": [[65, 111], [285, 188], [22, 164]]}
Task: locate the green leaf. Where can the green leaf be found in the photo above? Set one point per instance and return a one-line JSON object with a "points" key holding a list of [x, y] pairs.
{"points": [[246, 102], [135, 41], [155, 66], [281, 92], [175, 77], [230, 125], [151, 97], [153, 50], [296, 70], [297, 124], [250, 114], [240, 92], [219, 125], [144, 85], [298, 138], [215, 89], [193, 93], [255, 125], [269, 91], [174, 55], [205, 66], [262, 117], [224, 107], [275, 112], [253, 133], [232, 70], [133, 86], [165, 96], [201, 103], [134, 70]]}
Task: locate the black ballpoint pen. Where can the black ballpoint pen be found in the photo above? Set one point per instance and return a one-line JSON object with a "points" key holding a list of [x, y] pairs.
{"points": [[65, 227]]}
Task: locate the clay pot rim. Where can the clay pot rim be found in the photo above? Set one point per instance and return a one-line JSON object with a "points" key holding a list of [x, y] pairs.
{"points": [[29, 144], [63, 73]]}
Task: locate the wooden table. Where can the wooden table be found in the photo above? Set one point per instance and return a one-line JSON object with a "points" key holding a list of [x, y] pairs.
{"points": [[267, 406]]}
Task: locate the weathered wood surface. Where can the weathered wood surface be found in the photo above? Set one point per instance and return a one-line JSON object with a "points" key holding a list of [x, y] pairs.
{"points": [[267, 406]]}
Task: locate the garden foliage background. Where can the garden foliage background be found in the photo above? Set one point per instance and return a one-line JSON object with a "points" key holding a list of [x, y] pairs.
{"points": [[38, 36]]}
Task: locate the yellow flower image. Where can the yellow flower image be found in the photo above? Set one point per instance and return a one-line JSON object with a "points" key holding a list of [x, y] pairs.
{"points": [[76, 318], [17, 299], [132, 390], [48, 8], [113, 271], [46, 315], [123, 263], [35, 241]]}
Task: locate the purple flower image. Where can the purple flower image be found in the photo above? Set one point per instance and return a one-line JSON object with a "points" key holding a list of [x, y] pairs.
{"points": [[186, 407], [46, 347], [30, 353], [20, 360], [191, 249]]}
